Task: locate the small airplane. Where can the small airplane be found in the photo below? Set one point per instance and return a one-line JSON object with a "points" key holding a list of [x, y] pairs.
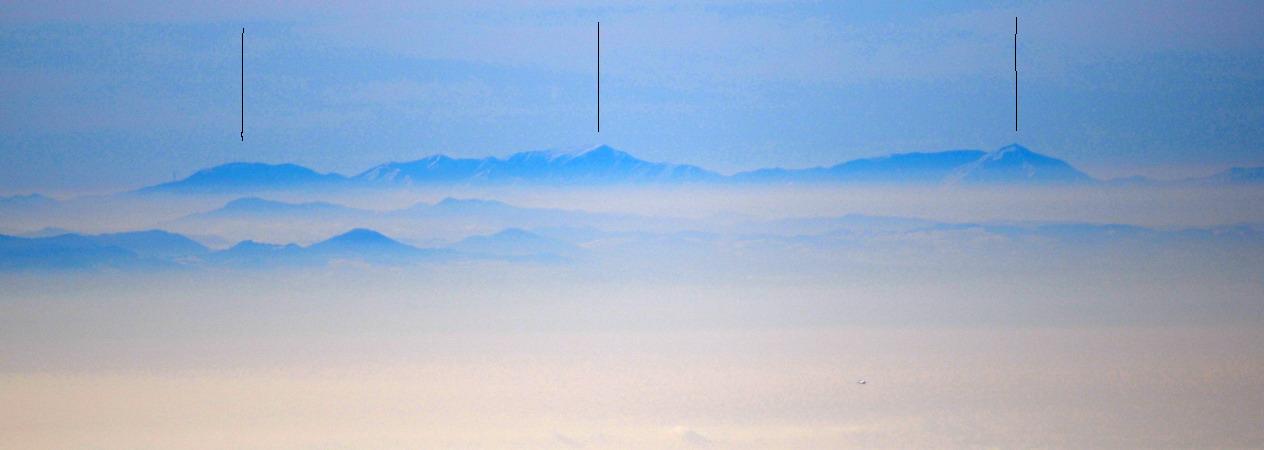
{"points": [[861, 382]]}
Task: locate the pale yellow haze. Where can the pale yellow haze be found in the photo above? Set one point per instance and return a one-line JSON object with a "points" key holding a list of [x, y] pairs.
{"points": [[1124, 387]]}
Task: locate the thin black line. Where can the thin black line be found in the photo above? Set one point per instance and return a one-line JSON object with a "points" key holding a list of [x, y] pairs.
{"points": [[1015, 73], [598, 76], [243, 85]]}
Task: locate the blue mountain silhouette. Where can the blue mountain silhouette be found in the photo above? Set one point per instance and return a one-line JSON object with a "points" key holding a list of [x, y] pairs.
{"points": [[361, 239], [359, 244], [27, 201], [153, 248], [242, 177], [915, 168], [1012, 164], [251, 254], [606, 165], [1236, 175], [599, 165], [258, 207], [153, 243], [1016, 164], [516, 242]]}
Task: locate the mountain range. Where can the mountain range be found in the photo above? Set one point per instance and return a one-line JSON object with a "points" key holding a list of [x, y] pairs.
{"points": [[484, 211], [161, 249], [158, 249], [1012, 164], [599, 165], [148, 249]]}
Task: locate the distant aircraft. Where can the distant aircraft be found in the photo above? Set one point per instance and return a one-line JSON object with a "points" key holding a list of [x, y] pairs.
{"points": [[862, 382]]}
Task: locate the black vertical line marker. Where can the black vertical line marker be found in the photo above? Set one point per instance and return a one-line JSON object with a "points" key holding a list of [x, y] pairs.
{"points": [[243, 85], [598, 76], [1016, 74]]}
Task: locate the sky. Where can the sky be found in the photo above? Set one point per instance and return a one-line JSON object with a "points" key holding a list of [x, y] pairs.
{"points": [[109, 97]]}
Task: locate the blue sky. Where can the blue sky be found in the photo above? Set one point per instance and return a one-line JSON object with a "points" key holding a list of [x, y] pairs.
{"points": [[114, 97]]}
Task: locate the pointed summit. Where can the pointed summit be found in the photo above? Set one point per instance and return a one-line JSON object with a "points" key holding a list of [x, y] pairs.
{"points": [[604, 152], [1015, 152], [1013, 148], [1016, 164], [361, 236], [370, 246]]}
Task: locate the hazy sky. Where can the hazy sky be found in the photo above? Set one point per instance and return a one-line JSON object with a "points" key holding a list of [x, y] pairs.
{"points": [[103, 97]]}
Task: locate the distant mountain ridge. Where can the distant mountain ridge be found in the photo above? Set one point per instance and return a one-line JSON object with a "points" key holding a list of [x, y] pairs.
{"points": [[1016, 164], [1237, 175], [1012, 164], [358, 244], [241, 176], [917, 168], [150, 248], [157, 249], [598, 165], [1230, 176], [27, 201], [161, 249], [255, 206]]}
